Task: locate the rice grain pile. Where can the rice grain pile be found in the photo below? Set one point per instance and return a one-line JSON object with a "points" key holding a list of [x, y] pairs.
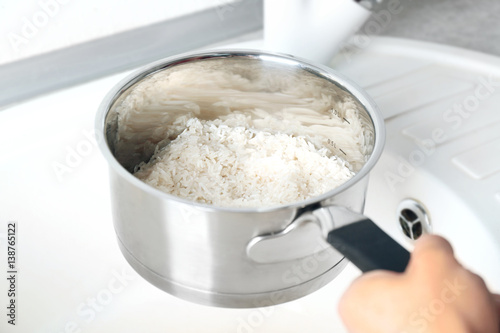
{"points": [[211, 162]]}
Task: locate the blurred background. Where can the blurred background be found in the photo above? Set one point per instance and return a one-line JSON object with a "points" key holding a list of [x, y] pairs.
{"points": [[65, 42]]}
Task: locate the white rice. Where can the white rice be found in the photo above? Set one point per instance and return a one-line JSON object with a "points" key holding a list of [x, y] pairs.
{"points": [[236, 135], [213, 163]]}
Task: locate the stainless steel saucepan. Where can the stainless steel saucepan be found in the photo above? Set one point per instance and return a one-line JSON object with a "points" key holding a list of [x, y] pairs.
{"points": [[236, 257]]}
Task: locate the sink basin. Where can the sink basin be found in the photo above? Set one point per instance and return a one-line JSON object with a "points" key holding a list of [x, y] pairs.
{"points": [[443, 137], [450, 214]]}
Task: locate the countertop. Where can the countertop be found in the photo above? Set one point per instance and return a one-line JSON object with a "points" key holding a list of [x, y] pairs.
{"points": [[470, 24]]}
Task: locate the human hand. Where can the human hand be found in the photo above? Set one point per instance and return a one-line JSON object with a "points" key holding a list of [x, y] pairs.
{"points": [[434, 295]]}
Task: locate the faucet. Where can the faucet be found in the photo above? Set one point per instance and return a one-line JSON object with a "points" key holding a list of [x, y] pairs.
{"points": [[313, 29]]}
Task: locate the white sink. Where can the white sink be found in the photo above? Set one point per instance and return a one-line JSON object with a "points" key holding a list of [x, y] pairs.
{"points": [[444, 158], [451, 215]]}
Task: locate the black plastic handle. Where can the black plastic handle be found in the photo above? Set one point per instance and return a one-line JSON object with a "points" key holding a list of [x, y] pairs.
{"points": [[368, 247]]}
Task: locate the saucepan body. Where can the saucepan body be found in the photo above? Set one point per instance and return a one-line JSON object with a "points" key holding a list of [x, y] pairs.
{"points": [[209, 254]]}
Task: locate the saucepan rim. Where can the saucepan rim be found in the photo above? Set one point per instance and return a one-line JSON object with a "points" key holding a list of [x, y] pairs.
{"points": [[319, 70]]}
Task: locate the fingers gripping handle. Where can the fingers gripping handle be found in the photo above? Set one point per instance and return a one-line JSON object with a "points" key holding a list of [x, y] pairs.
{"points": [[368, 247]]}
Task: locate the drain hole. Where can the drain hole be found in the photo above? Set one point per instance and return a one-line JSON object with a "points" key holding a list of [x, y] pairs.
{"points": [[409, 215], [413, 219], [404, 227], [416, 230]]}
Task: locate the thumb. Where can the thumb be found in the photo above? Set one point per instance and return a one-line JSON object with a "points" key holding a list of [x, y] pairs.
{"points": [[496, 297]]}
